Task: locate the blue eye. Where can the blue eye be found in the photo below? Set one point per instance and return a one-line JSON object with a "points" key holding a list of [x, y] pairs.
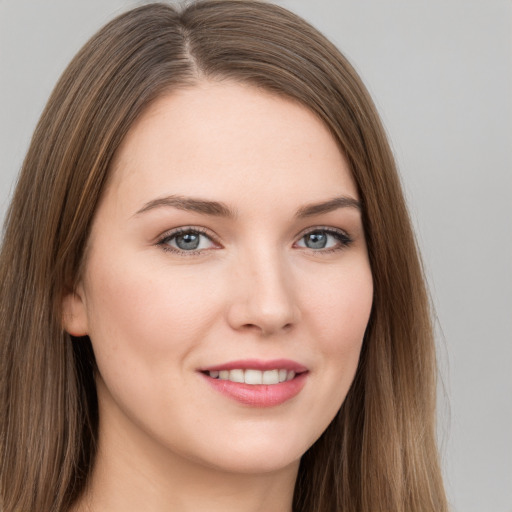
{"points": [[187, 240], [322, 239]]}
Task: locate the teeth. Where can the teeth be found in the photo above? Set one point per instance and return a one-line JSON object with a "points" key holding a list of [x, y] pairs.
{"points": [[271, 377], [253, 377], [236, 375]]}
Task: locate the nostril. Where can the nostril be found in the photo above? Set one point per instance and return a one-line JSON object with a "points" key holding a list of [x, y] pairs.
{"points": [[251, 327]]}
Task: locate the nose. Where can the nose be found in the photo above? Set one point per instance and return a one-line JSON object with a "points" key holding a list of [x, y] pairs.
{"points": [[263, 299]]}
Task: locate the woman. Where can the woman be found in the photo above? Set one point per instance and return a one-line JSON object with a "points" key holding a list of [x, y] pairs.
{"points": [[212, 296]]}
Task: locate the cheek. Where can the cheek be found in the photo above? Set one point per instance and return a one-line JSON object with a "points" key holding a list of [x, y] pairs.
{"points": [[339, 318], [145, 322], [141, 314], [341, 308]]}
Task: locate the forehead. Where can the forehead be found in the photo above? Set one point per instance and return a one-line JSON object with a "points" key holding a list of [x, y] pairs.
{"points": [[231, 140]]}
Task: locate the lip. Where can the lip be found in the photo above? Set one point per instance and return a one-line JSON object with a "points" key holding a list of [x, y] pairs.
{"points": [[259, 395], [257, 364]]}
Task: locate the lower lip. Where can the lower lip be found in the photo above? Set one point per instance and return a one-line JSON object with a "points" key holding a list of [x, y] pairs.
{"points": [[259, 395]]}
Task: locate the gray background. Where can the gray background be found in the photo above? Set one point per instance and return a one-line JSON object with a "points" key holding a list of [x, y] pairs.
{"points": [[441, 75]]}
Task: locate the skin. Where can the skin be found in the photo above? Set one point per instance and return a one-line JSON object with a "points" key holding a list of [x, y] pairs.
{"points": [[254, 289]]}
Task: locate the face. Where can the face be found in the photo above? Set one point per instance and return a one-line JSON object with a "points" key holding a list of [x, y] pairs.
{"points": [[227, 287]]}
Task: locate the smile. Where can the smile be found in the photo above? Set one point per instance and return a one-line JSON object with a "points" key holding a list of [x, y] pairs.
{"points": [[253, 377], [257, 383]]}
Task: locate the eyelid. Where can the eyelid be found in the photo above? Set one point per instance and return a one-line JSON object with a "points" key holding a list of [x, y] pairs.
{"points": [[329, 229]]}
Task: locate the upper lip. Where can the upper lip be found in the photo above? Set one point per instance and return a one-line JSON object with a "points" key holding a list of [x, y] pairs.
{"points": [[258, 364]]}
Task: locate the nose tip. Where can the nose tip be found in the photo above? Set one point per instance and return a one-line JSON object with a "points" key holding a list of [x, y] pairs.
{"points": [[266, 319], [265, 303]]}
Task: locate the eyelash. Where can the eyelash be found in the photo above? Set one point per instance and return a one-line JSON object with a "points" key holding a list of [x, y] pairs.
{"points": [[167, 237], [343, 238]]}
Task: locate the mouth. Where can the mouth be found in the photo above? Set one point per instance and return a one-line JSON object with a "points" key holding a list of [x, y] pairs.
{"points": [[258, 383], [253, 377]]}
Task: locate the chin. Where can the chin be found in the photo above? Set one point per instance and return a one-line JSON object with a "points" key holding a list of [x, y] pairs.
{"points": [[248, 463], [255, 454]]}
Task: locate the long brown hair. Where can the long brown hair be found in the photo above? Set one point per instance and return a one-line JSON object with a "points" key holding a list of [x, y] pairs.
{"points": [[379, 453]]}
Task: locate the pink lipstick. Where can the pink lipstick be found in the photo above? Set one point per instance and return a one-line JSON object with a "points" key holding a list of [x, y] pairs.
{"points": [[257, 383]]}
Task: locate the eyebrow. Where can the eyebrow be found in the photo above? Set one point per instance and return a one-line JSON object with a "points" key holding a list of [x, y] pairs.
{"points": [[218, 209], [190, 204], [328, 206]]}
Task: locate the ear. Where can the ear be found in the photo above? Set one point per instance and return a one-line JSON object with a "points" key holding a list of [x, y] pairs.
{"points": [[74, 312]]}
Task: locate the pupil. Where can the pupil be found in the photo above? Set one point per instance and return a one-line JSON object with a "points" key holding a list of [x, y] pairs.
{"points": [[316, 240], [188, 241]]}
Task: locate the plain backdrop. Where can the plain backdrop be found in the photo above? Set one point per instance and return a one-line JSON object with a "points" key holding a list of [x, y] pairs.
{"points": [[440, 72]]}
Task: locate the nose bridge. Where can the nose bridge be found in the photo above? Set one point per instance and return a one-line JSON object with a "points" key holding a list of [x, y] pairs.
{"points": [[265, 297]]}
